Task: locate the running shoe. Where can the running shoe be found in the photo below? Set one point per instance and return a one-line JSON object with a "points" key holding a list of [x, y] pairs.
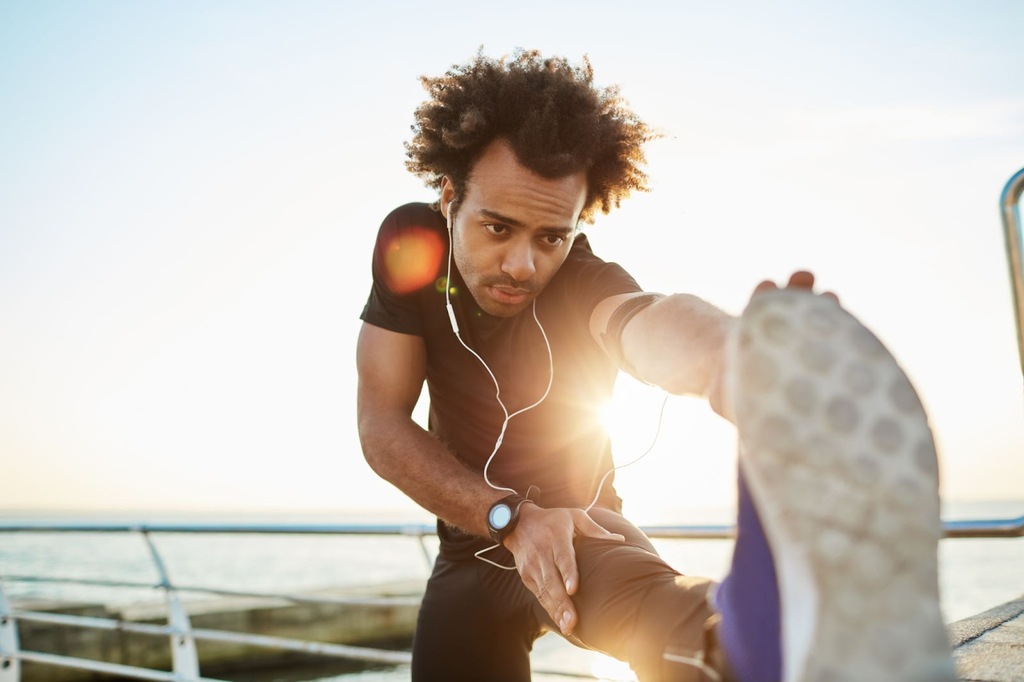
{"points": [[839, 460]]}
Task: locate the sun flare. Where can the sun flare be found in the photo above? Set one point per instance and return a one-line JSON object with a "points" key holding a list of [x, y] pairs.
{"points": [[675, 457]]}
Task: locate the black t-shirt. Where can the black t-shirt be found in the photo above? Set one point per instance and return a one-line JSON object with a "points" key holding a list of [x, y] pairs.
{"points": [[560, 447]]}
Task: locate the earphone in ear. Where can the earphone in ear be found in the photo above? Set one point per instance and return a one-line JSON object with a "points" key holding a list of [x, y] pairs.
{"points": [[448, 279]]}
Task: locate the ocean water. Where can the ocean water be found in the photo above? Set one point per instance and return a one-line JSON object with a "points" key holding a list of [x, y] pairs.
{"points": [[976, 574]]}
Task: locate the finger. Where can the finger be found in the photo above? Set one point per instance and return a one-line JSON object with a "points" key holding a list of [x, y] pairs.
{"points": [[568, 622], [552, 596], [829, 294], [801, 279], [565, 562], [543, 576], [766, 285], [564, 556], [590, 528]]}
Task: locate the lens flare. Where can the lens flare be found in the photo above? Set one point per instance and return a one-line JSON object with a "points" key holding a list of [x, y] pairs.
{"points": [[412, 259], [442, 284]]}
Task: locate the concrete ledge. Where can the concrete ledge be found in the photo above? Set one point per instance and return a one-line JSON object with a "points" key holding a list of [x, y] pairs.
{"points": [[989, 647]]}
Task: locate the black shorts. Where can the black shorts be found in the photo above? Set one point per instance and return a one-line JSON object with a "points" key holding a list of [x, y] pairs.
{"points": [[478, 622]]}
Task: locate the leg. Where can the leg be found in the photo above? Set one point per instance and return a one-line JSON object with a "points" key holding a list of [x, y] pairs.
{"points": [[839, 461], [473, 625], [632, 605]]}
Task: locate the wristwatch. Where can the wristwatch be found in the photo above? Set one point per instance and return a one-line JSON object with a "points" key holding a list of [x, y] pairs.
{"points": [[503, 516]]}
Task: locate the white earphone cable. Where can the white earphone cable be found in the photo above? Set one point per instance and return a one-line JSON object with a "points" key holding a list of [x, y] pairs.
{"points": [[508, 417], [654, 441], [494, 379]]}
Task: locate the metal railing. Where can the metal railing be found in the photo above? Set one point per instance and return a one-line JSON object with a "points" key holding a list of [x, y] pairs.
{"points": [[182, 636], [179, 629], [1010, 205]]}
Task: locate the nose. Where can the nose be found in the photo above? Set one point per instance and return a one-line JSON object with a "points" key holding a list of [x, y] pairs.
{"points": [[518, 261]]}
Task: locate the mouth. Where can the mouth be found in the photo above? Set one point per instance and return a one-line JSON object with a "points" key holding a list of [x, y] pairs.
{"points": [[508, 295]]}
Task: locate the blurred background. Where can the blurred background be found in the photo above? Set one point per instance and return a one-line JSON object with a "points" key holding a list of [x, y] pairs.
{"points": [[189, 194]]}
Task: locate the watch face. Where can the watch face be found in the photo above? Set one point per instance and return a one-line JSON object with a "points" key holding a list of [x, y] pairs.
{"points": [[500, 515]]}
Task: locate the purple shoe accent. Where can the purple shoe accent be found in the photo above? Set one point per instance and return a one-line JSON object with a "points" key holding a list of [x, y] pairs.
{"points": [[748, 601]]}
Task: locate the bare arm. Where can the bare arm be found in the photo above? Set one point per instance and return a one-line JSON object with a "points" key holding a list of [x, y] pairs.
{"points": [[392, 368], [678, 342]]}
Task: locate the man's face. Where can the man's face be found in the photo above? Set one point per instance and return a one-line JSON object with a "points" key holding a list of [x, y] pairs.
{"points": [[512, 230]]}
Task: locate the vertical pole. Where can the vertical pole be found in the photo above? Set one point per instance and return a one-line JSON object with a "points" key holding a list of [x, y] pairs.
{"points": [[10, 666], [421, 537], [183, 645], [1010, 203]]}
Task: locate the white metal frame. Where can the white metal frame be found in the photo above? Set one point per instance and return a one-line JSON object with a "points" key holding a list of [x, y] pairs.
{"points": [[182, 636], [1010, 205]]}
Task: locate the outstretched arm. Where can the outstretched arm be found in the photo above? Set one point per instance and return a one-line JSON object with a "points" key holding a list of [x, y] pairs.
{"points": [[678, 342]]}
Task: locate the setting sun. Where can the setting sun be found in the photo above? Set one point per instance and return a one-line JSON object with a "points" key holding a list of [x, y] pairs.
{"points": [[675, 455]]}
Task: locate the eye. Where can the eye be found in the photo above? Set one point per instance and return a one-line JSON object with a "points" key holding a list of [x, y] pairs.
{"points": [[496, 228], [552, 240]]}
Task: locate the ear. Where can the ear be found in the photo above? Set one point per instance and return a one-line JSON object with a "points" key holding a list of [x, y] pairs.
{"points": [[447, 196]]}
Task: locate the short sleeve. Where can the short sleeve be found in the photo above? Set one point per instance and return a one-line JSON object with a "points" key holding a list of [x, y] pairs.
{"points": [[593, 279], [408, 258]]}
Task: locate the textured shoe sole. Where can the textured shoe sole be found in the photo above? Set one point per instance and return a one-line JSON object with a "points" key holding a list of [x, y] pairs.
{"points": [[841, 464]]}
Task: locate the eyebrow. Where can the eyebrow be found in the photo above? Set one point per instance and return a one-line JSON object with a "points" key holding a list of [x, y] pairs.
{"points": [[512, 222]]}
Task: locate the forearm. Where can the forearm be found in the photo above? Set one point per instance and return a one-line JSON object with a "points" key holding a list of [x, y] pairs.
{"points": [[403, 453], [678, 343]]}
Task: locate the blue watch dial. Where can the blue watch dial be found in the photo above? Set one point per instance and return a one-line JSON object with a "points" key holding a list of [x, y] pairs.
{"points": [[500, 515]]}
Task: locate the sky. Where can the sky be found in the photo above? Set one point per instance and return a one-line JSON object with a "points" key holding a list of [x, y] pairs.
{"points": [[189, 193]]}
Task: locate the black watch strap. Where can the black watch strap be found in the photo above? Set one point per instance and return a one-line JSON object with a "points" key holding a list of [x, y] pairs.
{"points": [[503, 516]]}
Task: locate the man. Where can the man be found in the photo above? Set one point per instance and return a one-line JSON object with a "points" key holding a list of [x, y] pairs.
{"points": [[495, 299]]}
